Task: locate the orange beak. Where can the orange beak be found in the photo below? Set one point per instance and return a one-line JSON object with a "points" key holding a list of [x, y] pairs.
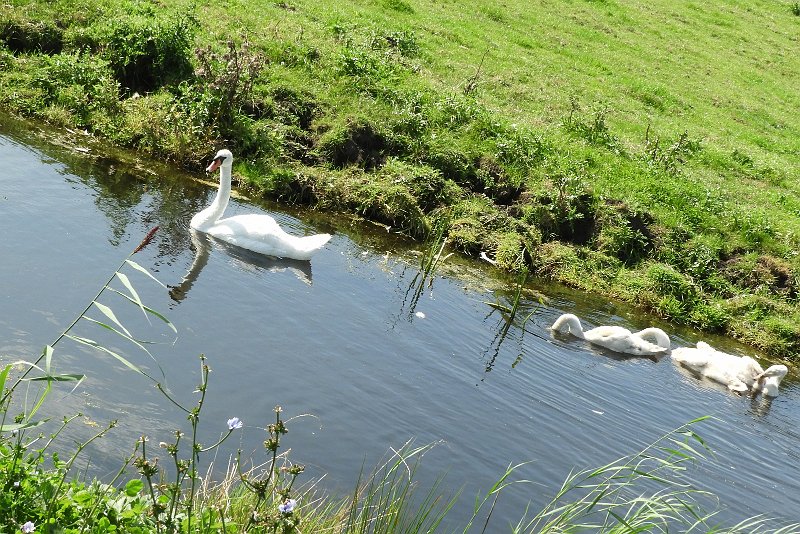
{"points": [[214, 165]]}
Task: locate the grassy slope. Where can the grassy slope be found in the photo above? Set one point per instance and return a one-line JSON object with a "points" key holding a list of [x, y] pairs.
{"points": [[719, 218]]}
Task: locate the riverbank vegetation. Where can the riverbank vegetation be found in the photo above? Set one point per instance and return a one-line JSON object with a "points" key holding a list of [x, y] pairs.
{"points": [[43, 491], [645, 152]]}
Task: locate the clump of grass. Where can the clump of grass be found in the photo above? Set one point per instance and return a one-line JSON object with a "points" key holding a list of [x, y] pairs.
{"points": [[645, 492]]}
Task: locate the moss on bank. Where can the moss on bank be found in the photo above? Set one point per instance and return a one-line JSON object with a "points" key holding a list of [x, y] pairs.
{"points": [[357, 111]]}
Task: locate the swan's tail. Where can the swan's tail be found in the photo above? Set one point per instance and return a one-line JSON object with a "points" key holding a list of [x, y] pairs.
{"points": [[308, 245]]}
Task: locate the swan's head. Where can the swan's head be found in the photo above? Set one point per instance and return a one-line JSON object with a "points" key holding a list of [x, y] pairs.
{"points": [[768, 381], [568, 323], [223, 158]]}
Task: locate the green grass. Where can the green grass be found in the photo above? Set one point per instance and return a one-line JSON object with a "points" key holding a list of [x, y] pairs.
{"points": [[595, 141]]}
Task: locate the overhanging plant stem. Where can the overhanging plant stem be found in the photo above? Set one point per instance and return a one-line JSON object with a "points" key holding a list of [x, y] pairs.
{"points": [[146, 241]]}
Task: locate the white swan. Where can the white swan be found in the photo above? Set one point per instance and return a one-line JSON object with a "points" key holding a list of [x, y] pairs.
{"points": [[647, 342], [739, 373], [256, 232]]}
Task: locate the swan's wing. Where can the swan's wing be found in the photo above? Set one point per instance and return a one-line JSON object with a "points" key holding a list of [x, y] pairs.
{"points": [[692, 358], [609, 334], [620, 339], [254, 225]]}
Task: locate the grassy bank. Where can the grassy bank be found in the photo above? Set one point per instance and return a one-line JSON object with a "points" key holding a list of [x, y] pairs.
{"points": [[645, 152]]}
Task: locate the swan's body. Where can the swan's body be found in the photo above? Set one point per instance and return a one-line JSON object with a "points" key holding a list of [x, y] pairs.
{"points": [[256, 232], [739, 373], [647, 342]]}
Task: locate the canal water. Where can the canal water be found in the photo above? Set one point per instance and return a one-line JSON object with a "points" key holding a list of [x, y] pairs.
{"points": [[362, 352]]}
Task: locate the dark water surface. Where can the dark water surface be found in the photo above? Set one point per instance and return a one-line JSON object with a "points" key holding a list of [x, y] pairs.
{"points": [[340, 339]]}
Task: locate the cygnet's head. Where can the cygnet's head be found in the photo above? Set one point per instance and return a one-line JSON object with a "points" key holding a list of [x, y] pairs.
{"points": [[223, 158], [768, 381]]}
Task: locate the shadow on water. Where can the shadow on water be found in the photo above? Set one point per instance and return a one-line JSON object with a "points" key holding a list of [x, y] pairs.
{"points": [[203, 244]]}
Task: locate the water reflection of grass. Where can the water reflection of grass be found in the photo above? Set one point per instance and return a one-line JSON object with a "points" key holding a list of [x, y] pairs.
{"points": [[430, 261], [508, 314]]}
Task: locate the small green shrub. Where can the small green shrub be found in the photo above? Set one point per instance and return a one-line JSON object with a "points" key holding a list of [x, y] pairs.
{"points": [[146, 50], [672, 157], [453, 162], [473, 223], [623, 233], [356, 142], [565, 208], [82, 84], [520, 148], [710, 316], [400, 6], [699, 257], [510, 252], [226, 80], [404, 42], [552, 259], [22, 35], [453, 110], [427, 184], [666, 280], [288, 105], [761, 273]]}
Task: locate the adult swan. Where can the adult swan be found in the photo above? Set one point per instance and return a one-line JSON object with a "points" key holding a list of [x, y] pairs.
{"points": [[256, 232], [647, 342]]}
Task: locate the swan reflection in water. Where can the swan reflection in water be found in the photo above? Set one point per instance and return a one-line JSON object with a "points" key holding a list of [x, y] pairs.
{"points": [[202, 245]]}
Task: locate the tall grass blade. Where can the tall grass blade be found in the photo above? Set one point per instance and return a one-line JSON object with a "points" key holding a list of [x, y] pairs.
{"points": [[145, 271], [21, 426], [4, 376], [134, 295], [108, 312], [147, 309], [98, 346]]}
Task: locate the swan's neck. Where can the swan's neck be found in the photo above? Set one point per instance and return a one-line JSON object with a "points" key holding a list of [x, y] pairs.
{"points": [[655, 336], [569, 323], [211, 214]]}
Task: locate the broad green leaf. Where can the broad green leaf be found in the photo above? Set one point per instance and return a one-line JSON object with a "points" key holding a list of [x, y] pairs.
{"points": [[119, 358], [139, 343], [67, 377], [4, 376], [20, 426], [133, 487], [48, 356], [145, 271], [497, 306]]}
